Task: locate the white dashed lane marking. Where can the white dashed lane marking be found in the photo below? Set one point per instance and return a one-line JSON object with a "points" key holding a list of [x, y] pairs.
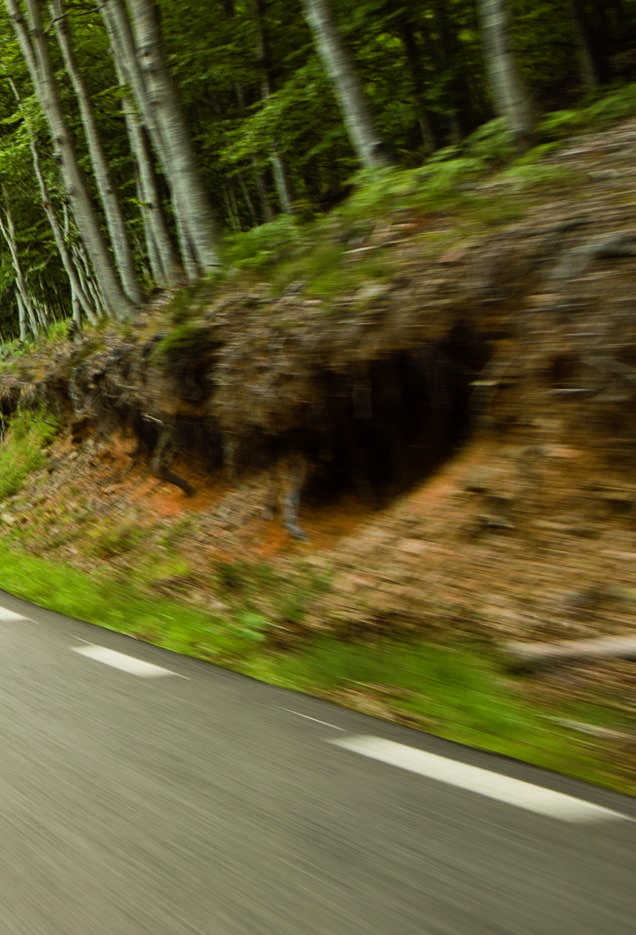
{"points": [[145, 670], [481, 781], [8, 615], [314, 719], [505, 789]]}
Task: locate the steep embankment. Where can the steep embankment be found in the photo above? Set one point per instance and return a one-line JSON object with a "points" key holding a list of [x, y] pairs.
{"points": [[464, 402]]}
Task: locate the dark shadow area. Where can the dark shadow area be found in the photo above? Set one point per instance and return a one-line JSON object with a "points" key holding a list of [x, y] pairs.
{"points": [[393, 421]]}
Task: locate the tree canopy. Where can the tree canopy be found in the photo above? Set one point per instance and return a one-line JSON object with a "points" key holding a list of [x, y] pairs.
{"points": [[133, 133]]}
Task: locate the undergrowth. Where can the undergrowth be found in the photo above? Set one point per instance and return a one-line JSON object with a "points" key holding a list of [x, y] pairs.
{"points": [[456, 691], [24, 449]]}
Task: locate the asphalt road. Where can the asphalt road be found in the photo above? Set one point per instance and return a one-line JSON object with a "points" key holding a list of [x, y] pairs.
{"points": [[141, 800]]}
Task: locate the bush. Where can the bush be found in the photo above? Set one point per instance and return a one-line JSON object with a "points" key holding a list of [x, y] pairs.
{"points": [[23, 450]]}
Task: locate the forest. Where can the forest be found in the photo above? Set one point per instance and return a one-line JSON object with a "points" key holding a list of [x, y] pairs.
{"points": [[137, 137], [318, 353]]}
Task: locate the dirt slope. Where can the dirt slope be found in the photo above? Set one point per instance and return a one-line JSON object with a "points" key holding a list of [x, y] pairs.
{"points": [[491, 488]]}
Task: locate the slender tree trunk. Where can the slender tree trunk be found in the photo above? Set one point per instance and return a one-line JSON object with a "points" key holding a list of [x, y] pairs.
{"points": [[164, 263], [511, 98], [414, 60], [83, 270], [158, 238], [279, 168], [122, 41], [41, 313], [588, 66], [356, 114], [247, 198], [33, 43], [107, 194], [259, 181], [26, 308], [260, 185], [456, 91], [22, 317], [79, 299], [183, 174], [137, 45]]}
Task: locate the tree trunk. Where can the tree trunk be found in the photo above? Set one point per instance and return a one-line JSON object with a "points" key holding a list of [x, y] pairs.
{"points": [[511, 98], [163, 260], [26, 308], [158, 240], [260, 185], [79, 299], [456, 96], [279, 168], [34, 47], [587, 64], [414, 60], [107, 194], [22, 317], [83, 271], [182, 173], [119, 30], [137, 47], [364, 137]]}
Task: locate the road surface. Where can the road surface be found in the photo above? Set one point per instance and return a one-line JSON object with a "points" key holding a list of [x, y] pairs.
{"points": [[143, 792]]}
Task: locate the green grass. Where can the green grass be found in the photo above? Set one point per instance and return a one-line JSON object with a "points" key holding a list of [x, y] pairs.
{"points": [[260, 247], [109, 601], [613, 106], [117, 540], [542, 178], [24, 449], [456, 692], [459, 693]]}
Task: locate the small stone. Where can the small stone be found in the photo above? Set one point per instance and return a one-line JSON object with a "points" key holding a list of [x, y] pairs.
{"points": [[415, 546], [479, 480]]}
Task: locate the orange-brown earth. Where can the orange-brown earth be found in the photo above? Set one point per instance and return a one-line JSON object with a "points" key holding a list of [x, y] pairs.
{"points": [[525, 530]]}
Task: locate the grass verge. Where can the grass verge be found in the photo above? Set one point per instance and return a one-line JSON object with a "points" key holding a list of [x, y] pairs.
{"points": [[459, 692]]}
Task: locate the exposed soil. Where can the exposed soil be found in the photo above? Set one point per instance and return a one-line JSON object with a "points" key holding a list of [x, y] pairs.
{"points": [[491, 490]]}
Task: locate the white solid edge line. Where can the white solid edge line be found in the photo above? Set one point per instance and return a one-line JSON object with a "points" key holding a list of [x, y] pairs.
{"points": [[121, 661], [481, 781]]}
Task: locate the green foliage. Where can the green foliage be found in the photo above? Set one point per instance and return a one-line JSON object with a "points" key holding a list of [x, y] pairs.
{"points": [[560, 123], [492, 212], [177, 531], [617, 104], [24, 449], [542, 177], [113, 540], [428, 188], [491, 144], [323, 270], [537, 153], [260, 247], [614, 106], [12, 350], [184, 337], [295, 598], [242, 578], [252, 627], [56, 332], [457, 692]]}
